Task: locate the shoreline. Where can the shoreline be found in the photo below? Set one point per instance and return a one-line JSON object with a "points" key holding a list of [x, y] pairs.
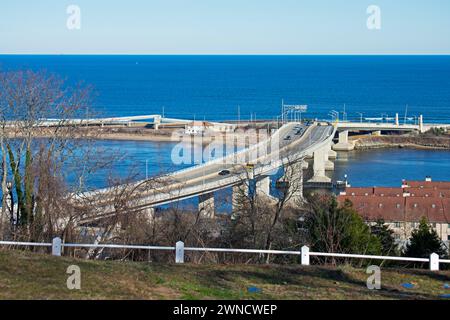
{"points": [[365, 143], [420, 142], [403, 142], [146, 135], [401, 146]]}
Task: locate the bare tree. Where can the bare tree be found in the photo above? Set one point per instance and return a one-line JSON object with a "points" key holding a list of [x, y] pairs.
{"points": [[264, 221], [36, 150]]}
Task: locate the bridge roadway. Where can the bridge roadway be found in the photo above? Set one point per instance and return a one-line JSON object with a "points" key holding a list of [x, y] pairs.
{"points": [[205, 179]]}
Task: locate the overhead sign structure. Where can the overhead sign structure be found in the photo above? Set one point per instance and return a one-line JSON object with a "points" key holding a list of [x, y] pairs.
{"points": [[293, 112], [296, 107]]}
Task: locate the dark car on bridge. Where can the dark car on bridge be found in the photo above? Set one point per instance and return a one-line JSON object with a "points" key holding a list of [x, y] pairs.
{"points": [[224, 173]]}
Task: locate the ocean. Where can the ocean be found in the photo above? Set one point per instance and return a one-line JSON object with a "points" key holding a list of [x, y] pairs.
{"points": [[216, 87]]}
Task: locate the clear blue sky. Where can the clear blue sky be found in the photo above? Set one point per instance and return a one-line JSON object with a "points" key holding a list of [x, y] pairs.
{"points": [[225, 27]]}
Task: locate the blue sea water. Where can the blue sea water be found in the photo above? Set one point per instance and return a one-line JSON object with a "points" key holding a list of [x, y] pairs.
{"points": [[388, 167], [213, 87]]}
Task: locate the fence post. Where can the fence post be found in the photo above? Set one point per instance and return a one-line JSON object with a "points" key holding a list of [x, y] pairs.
{"points": [[56, 247], [434, 262], [305, 256], [179, 252]]}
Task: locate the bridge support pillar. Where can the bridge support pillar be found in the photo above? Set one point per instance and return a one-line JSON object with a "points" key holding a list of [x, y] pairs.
{"points": [[343, 144], [305, 165], [332, 154], [206, 205], [263, 186], [295, 178], [329, 165], [157, 122], [239, 196], [149, 214], [319, 166], [421, 126]]}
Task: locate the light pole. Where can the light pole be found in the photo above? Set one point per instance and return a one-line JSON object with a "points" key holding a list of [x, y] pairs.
{"points": [[334, 115], [87, 116], [344, 114], [239, 115], [361, 116]]}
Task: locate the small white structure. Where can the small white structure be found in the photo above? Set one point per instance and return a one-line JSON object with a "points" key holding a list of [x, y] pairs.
{"points": [[196, 127], [200, 127], [222, 127]]}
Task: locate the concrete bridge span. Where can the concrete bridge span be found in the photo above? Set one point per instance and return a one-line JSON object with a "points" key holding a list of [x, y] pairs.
{"points": [[284, 148], [344, 128]]}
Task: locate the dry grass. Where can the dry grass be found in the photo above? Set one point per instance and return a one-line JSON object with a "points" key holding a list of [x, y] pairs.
{"points": [[26, 275]]}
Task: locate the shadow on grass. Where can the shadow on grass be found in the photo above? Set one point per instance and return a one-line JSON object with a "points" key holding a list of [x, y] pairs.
{"points": [[303, 280]]}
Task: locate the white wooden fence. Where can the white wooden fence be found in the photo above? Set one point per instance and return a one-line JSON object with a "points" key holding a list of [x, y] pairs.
{"points": [[57, 246]]}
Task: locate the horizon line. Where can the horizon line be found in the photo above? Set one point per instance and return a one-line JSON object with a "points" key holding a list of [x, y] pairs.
{"points": [[224, 54]]}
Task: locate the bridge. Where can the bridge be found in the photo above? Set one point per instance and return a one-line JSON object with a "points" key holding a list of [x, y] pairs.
{"points": [[285, 148], [344, 127], [156, 120], [288, 146]]}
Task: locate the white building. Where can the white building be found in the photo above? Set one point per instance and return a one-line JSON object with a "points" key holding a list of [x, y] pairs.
{"points": [[201, 127]]}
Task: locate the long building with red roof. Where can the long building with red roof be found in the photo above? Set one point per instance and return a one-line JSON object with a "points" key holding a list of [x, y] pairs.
{"points": [[402, 208]]}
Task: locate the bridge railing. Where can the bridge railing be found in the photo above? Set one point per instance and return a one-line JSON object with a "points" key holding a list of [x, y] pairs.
{"points": [[180, 249]]}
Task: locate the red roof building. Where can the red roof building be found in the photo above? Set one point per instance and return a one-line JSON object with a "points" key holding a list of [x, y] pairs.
{"points": [[404, 207]]}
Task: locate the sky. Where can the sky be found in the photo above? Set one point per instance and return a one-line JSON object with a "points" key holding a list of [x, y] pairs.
{"points": [[224, 27]]}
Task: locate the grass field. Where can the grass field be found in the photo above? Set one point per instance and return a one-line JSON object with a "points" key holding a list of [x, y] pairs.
{"points": [[34, 276]]}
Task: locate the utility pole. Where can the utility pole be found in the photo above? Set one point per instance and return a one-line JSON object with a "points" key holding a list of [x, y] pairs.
{"points": [[239, 115], [361, 116], [406, 114], [87, 116]]}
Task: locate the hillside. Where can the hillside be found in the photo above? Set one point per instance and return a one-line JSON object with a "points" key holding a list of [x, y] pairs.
{"points": [[34, 276]]}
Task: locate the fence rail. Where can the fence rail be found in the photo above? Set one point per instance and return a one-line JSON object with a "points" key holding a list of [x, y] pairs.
{"points": [[179, 249]]}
